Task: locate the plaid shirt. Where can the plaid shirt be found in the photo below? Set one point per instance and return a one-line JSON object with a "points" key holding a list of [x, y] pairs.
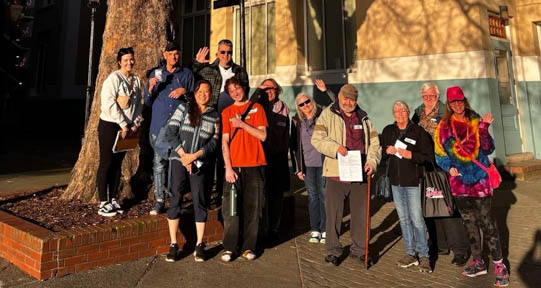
{"points": [[211, 73]]}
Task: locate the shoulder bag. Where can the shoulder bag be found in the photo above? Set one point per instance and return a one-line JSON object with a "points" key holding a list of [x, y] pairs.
{"points": [[436, 196], [383, 186]]}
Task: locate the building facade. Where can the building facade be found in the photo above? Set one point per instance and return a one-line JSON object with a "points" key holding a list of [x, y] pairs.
{"points": [[388, 49]]}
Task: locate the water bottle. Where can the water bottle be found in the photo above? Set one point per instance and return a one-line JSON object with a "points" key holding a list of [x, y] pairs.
{"points": [[233, 200]]}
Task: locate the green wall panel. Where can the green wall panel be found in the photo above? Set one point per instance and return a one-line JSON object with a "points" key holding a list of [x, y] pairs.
{"points": [[530, 111]]}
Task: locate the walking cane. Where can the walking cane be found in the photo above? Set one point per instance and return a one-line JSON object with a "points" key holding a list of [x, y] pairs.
{"points": [[367, 232]]}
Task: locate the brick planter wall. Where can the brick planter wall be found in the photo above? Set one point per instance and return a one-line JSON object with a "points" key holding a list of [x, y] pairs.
{"points": [[44, 254]]}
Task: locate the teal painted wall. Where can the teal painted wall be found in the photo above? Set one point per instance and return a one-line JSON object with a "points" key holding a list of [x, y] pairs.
{"points": [[377, 99], [530, 105]]}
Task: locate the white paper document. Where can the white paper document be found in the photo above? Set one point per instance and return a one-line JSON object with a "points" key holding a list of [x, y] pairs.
{"points": [[401, 145], [350, 167]]}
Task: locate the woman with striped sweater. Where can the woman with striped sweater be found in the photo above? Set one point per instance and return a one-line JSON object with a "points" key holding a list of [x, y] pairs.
{"points": [[192, 133]]}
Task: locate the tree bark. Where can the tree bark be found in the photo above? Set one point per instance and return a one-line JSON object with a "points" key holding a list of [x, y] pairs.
{"points": [[145, 26]]}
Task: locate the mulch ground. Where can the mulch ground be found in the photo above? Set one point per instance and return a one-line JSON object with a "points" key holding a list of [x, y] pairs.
{"points": [[47, 209]]}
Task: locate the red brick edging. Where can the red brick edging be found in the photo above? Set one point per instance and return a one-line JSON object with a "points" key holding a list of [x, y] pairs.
{"points": [[44, 254]]}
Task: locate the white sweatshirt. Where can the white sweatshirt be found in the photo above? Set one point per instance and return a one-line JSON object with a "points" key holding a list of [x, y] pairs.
{"points": [[115, 85]]}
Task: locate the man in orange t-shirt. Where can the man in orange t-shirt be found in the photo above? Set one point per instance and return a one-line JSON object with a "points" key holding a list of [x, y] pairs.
{"points": [[244, 161]]}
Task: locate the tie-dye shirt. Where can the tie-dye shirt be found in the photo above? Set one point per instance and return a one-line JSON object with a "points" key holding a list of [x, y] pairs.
{"points": [[476, 143]]}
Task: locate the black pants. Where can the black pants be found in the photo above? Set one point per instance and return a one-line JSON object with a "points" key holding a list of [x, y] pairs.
{"points": [[276, 183], [335, 194], [219, 172], [109, 169], [199, 187], [451, 234], [477, 215], [249, 206]]}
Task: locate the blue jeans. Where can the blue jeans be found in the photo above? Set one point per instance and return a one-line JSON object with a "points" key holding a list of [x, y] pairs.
{"points": [[160, 169], [407, 201], [315, 184]]}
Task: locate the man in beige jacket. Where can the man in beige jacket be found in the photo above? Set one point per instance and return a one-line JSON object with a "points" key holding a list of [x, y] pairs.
{"points": [[341, 127]]}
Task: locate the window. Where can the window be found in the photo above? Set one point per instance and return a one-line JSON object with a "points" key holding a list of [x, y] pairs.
{"points": [[195, 28], [260, 37], [331, 34], [538, 26]]}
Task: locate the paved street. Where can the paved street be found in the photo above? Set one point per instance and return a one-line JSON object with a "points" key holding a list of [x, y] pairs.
{"points": [[297, 263]]}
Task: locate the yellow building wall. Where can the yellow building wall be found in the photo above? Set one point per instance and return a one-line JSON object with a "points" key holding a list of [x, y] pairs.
{"points": [[289, 32], [422, 27], [395, 28], [221, 27], [528, 12]]}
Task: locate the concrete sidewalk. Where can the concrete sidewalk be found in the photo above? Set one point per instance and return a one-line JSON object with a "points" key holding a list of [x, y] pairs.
{"points": [[297, 263]]}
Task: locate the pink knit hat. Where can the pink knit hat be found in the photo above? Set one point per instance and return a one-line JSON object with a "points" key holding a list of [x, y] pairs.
{"points": [[454, 93]]}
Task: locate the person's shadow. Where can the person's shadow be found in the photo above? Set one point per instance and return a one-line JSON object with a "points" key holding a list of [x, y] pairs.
{"points": [[530, 265], [501, 204]]}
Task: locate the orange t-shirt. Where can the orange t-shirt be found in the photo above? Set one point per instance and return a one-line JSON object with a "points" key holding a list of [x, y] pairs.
{"points": [[245, 150]]}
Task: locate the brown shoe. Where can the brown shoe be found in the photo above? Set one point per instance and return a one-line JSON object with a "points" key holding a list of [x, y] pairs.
{"points": [[424, 265], [407, 261]]}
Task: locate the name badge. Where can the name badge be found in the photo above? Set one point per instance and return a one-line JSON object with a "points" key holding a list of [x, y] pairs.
{"points": [[283, 124], [357, 127], [434, 119], [411, 141], [253, 111]]}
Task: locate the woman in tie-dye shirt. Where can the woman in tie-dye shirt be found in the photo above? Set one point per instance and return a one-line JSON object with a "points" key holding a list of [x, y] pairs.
{"points": [[462, 135]]}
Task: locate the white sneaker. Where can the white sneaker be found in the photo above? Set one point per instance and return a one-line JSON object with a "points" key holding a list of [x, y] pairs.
{"points": [[107, 210], [314, 237], [117, 207], [323, 239]]}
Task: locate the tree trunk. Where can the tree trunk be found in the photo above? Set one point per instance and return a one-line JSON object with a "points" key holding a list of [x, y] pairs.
{"points": [[144, 25]]}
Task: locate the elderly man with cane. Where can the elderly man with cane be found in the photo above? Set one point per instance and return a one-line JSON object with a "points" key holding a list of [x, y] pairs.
{"points": [[340, 128]]}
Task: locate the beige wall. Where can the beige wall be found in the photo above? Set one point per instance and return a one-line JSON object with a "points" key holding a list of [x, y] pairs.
{"points": [[395, 28], [221, 27], [289, 35], [526, 42]]}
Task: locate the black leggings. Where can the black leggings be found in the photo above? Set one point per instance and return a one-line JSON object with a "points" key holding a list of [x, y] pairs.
{"points": [[200, 185], [109, 169], [476, 214]]}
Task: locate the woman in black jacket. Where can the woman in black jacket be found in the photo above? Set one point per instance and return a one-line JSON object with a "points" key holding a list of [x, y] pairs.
{"points": [[407, 147]]}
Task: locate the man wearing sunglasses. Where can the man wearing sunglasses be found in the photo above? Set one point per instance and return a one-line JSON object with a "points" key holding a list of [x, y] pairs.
{"points": [[217, 73]]}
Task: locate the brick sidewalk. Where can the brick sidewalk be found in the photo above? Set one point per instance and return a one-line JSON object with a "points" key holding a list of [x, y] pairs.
{"points": [[297, 263], [515, 208]]}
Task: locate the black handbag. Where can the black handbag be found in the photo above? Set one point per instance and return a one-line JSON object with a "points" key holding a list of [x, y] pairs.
{"points": [[436, 197], [383, 186]]}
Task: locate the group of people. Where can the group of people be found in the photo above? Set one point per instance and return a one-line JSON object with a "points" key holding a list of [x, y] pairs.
{"points": [[205, 128]]}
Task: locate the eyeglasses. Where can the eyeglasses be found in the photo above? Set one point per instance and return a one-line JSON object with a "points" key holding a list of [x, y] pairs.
{"points": [[457, 102], [226, 52], [304, 103], [400, 112], [430, 96]]}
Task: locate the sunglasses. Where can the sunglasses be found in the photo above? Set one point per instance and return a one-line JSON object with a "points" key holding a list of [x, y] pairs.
{"points": [[226, 52], [304, 103]]}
